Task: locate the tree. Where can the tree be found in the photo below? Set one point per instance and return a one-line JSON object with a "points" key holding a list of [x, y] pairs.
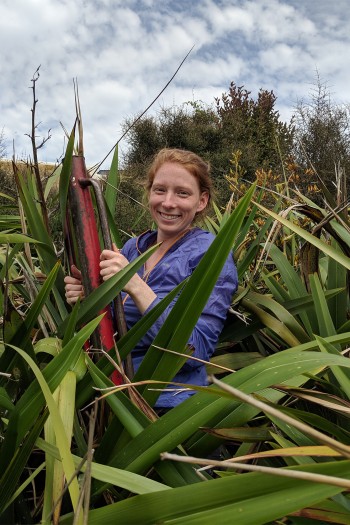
{"points": [[254, 127], [193, 126], [8, 185], [2, 145], [235, 121], [322, 134]]}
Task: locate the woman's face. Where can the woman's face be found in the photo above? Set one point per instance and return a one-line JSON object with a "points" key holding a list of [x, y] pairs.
{"points": [[174, 200]]}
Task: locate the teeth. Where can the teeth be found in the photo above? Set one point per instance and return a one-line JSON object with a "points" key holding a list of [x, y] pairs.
{"points": [[166, 216]]}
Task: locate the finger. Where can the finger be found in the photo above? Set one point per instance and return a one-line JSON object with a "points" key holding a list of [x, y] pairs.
{"points": [[106, 265], [75, 272], [73, 292], [73, 299], [68, 280], [74, 288], [107, 272], [107, 254], [70, 296]]}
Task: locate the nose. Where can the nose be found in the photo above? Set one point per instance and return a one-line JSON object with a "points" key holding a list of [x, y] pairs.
{"points": [[169, 200]]}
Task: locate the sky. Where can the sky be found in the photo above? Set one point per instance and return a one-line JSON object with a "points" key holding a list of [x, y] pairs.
{"points": [[123, 53]]}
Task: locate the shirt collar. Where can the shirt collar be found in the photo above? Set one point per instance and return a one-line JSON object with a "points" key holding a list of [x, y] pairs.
{"points": [[149, 237]]}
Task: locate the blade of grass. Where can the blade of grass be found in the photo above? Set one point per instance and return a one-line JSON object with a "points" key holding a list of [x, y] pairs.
{"points": [[32, 401], [15, 467], [65, 176], [180, 322], [105, 293], [119, 478], [321, 245], [112, 183], [201, 409], [12, 238], [254, 498], [60, 434], [342, 376]]}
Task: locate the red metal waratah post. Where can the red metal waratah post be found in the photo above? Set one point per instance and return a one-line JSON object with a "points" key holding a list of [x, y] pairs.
{"points": [[82, 213]]}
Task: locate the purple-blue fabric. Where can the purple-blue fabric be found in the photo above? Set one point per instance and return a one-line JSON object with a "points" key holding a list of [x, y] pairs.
{"points": [[178, 263]]}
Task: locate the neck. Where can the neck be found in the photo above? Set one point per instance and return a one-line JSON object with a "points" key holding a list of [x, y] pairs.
{"points": [[171, 240]]}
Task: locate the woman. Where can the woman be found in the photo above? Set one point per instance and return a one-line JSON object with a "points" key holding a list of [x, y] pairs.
{"points": [[179, 188]]}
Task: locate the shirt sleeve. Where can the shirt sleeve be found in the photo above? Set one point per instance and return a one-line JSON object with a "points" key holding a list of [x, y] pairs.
{"points": [[129, 249], [205, 335]]}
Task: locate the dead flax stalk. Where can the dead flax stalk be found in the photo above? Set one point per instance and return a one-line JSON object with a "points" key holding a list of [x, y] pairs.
{"points": [[35, 148], [308, 476], [283, 472], [322, 438], [85, 490]]}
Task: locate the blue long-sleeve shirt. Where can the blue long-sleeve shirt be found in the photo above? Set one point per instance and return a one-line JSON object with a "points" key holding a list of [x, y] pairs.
{"points": [[178, 263]]}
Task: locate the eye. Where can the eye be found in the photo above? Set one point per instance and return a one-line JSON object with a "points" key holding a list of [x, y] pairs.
{"points": [[158, 190], [183, 193]]}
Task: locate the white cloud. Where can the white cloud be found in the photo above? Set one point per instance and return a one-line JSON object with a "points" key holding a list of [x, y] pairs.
{"points": [[228, 18], [124, 52], [285, 59]]}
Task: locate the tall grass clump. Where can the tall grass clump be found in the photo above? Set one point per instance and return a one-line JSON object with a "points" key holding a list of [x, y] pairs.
{"points": [[267, 442]]}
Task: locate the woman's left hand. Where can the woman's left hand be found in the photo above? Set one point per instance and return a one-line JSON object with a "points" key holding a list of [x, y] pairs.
{"points": [[111, 262]]}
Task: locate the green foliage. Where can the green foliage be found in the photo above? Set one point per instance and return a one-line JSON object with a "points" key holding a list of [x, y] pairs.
{"points": [[290, 318], [253, 127], [2, 144], [235, 122], [281, 409], [322, 137], [8, 188]]}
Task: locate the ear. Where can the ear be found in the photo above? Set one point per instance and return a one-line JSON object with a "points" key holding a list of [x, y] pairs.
{"points": [[203, 201]]}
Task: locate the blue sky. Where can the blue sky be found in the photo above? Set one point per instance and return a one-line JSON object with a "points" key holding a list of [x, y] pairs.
{"points": [[124, 52]]}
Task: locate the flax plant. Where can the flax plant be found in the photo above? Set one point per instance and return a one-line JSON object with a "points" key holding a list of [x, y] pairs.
{"points": [[280, 409]]}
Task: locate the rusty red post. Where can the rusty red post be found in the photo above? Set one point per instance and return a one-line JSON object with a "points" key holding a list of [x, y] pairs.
{"points": [[81, 210]]}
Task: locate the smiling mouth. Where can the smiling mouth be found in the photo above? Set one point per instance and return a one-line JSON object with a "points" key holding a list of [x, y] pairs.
{"points": [[168, 216]]}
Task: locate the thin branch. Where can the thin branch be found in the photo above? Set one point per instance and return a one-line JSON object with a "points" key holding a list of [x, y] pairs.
{"points": [[35, 148], [66, 486], [230, 463], [97, 166], [197, 359], [44, 140], [84, 496]]}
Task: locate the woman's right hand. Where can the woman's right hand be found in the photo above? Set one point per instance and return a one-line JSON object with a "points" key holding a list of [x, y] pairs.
{"points": [[73, 286]]}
